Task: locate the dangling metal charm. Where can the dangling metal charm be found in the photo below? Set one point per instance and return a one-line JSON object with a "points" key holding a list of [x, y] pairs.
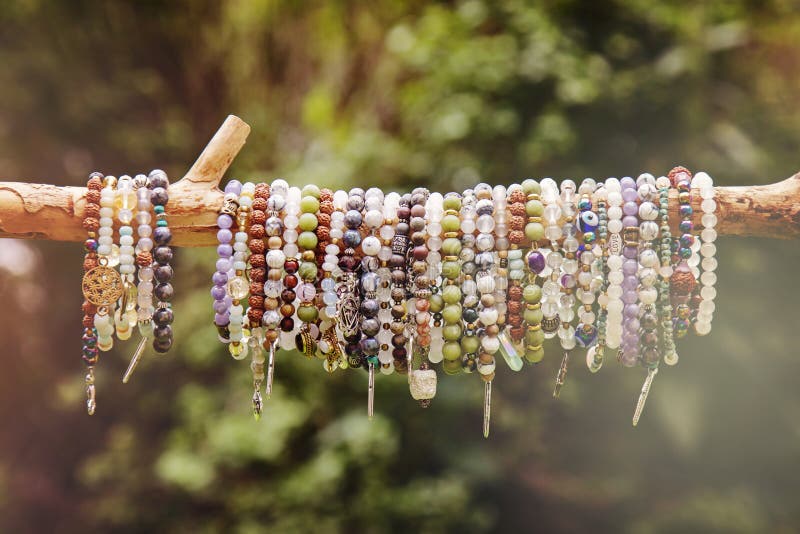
{"points": [[651, 374], [562, 375], [91, 401], [137, 355], [371, 392], [258, 403], [271, 367], [487, 408]]}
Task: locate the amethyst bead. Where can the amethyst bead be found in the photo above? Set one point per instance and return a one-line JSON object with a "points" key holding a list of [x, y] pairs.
{"points": [[536, 262]]}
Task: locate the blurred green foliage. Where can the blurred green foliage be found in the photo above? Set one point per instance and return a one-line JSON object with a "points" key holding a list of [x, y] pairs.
{"points": [[398, 94]]}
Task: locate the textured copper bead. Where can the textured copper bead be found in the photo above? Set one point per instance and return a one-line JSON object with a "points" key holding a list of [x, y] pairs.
{"points": [[94, 184], [256, 288], [516, 196], [258, 274], [144, 258], [256, 246], [91, 224], [257, 231], [682, 283], [259, 204], [517, 209], [516, 237], [258, 217]]}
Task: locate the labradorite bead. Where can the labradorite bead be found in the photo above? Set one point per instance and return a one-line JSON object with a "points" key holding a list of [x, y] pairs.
{"points": [[369, 308], [531, 187], [307, 240], [308, 222], [451, 351], [532, 293], [451, 294], [351, 238], [470, 344], [534, 231], [451, 332], [307, 314], [309, 204]]}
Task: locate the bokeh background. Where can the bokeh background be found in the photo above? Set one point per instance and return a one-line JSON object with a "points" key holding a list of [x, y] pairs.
{"points": [[398, 94]]}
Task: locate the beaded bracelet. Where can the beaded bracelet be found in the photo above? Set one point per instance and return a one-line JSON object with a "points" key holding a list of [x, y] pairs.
{"points": [[596, 353], [306, 291], [389, 212], [370, 326], [589, 273], [567, 279], [665, 271], [551, 287], [108, 255], [125, 315], [348, 287], [614, 263], [629, 349], [257, 261], [291, 264], [238, 286], [162, 270], [705, 313], [501, 273], [329, 246], [144, 262], [222, 300], [516, 265], [450, 305], [434, 211], [682, 281], [535, 264], [97, 286], [274, 259], [470, 344]]}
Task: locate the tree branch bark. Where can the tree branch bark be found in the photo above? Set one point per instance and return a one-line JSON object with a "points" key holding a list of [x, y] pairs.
{"points": [[39, 211]]}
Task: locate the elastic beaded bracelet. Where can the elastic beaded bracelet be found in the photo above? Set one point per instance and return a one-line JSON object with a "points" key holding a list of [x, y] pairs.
{"points": [[108, 255], [614, 263], [501, 272], [222, 300], [257, 261], [665, 271], [470, 344], [535, 264], [516, 265], [94, 287], [162, 270], [705, 312], [329, 342], [348, 287], [370, 326], [568, 279], [551, 287], [629, 348], [451, 292], [144, 261], [274, 259], [596, 353], [434, 211], [389, 212], [125, 202], [422, 382], [400, 243], [238, 285], [682, 281], [291, 265], [590, 272], [306, 292]]}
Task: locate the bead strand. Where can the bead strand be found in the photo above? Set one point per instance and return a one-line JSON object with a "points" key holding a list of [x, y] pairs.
{"points": [[124, 202], [450, 305], [648, 275], [89, 351], [162, 269], [470, 344], [238, 286], [109, 256], [705, 313], [629, 349], [614, 262]]}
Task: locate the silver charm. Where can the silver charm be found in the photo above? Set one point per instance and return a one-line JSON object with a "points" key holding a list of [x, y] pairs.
{"points": [[347, 315], [371, 392], [91, 400], [651, 374], [487, 408], [271, 367], [562, 375], [137, 356]]}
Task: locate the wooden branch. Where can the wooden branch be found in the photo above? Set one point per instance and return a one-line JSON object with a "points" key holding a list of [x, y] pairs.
{"points": [[37, 211]]}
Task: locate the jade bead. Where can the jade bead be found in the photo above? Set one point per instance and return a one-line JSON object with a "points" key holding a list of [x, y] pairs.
{"points": [[452, 313], [533, 316], [534, 208], [451, 294], [531, 187], [308, 222], [308, 270], [451, 270], [451, 367], [451, 246], [534, 337], [534, 356], [451, 351], [450, 223], [470, 344], [309, 204], [451, 332], [311, 190], [452, 202], [534, 231], [532, 293], [307, 314], [435, 303], [307, 241]]}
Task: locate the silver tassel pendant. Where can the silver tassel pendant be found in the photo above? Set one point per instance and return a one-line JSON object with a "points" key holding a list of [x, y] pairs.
{"points": [[651, 374], [371, 392], [271, 367]]}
